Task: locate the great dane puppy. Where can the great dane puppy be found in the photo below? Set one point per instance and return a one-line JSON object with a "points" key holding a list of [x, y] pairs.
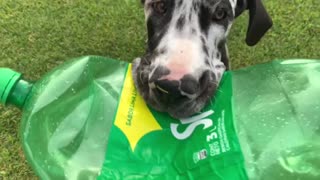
{"points": [[186, 52]]}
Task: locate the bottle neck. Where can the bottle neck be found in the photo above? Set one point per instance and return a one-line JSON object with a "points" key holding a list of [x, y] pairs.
{"points": [[19, 93]]}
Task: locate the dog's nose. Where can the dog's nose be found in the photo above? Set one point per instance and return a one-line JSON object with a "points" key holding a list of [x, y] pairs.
{"points": [[189, 85], [169, 90]]}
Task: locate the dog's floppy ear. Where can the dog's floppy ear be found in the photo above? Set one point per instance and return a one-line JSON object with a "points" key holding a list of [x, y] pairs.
{"points": [[259, 19], [242, 5]]}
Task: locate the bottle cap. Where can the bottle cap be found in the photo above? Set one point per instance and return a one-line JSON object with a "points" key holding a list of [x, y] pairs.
{"points": [[8, 79]]}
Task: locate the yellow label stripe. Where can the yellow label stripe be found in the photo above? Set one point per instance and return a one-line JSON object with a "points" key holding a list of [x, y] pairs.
{"points": [[134, 118]]}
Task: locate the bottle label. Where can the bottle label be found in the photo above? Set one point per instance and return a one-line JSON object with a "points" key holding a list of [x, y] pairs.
{"points": [[146, 144]]}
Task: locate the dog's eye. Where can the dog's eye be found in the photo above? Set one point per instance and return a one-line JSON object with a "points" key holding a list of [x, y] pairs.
{"points": [[219, 14], [159, 7]]}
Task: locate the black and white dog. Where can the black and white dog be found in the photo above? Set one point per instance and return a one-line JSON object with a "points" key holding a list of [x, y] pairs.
{"points": [[187, 54]]}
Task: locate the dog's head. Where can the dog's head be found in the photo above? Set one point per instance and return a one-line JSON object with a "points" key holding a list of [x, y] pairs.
{"points": [[186, 54]]}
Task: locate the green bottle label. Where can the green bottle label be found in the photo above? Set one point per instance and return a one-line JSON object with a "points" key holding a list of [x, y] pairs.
{"points": [[145, 144]]}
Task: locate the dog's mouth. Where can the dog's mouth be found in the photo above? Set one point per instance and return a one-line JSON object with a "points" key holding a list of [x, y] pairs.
{"points": [[172, 99]]}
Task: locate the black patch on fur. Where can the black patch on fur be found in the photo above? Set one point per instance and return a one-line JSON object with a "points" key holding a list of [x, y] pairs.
{"points": [[180, 3], [205, 49], [190, 16], [181, 21], [163, 51], [218, 55], [221, 44], [193, 31], [157, 25], [204, 46], [195, 6], [204, 19], [207, 62], [203, 40]]}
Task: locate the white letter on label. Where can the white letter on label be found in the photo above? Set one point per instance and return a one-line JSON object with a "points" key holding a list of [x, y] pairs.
{"points": [[212, 136], [196, 118], [184, 135], [194, 122]]}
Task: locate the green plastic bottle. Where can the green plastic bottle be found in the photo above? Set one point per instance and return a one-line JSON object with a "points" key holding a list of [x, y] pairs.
{"points": [[85, 120], [277, 117], [67, 115]]}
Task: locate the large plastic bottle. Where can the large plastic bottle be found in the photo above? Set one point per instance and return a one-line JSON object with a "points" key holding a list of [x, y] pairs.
{"points": [[85, 120], [67, 115], [277, 117]]}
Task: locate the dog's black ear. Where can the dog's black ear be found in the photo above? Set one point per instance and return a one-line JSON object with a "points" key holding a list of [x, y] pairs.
{"points": [[259, 19], [142, 1], [242, 5]]}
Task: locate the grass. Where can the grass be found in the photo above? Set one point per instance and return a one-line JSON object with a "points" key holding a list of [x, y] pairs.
{"points": [[37, 35]]}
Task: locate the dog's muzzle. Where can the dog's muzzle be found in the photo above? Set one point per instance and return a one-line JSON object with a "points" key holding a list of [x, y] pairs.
{"points": [[171, 91], [179, 93]]}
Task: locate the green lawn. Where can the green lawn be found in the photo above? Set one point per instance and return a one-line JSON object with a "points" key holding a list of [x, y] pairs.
{"points": [[37, 35]]}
